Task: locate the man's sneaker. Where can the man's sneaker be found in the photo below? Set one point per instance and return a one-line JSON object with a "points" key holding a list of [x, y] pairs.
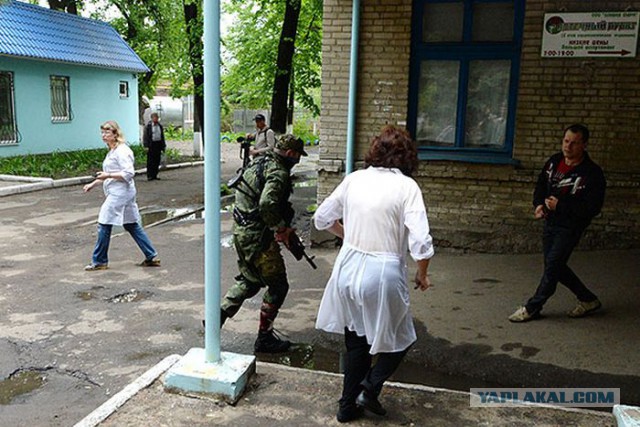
{"points": [[522, 315], [150, 263], [269, 342], [95, 267], [584, 308]]}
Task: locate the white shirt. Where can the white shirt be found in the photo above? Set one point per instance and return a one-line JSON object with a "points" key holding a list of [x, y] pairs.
{"points": [[120, 205], [384, 215], [156, 132]]}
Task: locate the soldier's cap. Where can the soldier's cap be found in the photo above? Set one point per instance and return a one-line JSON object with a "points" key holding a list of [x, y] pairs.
{"points": [[290, 142], [259, 117]]}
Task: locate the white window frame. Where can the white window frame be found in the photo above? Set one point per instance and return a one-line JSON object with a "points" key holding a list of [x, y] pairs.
{"points": [[123, 89]]}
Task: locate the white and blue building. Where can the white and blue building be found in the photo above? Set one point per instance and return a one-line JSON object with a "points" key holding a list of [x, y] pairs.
{"points": [[61, 76]]}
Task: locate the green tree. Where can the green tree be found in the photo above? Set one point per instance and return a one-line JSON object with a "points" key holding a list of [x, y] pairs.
{"points": [[69, 6], [156, 32], [195, 30], [253, 62]]}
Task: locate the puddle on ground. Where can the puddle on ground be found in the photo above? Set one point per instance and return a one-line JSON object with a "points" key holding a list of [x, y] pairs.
{"points": [[305, 356], [178, 214], [18, 384], [133, 295], [319, 358]]}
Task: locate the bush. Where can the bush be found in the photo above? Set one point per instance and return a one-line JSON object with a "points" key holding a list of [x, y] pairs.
{"points": [[66, 164], [175, 133]]}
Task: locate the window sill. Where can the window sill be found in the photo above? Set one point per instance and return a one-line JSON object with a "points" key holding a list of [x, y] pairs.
{"points": [[486, 157]]}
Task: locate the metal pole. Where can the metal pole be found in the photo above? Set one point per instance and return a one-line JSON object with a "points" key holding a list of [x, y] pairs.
{"points": [[353, 86], [212, 255]]}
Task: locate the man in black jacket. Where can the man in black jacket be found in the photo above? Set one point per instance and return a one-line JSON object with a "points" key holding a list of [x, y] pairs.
{"points": [[154, 142], [569, 193]]}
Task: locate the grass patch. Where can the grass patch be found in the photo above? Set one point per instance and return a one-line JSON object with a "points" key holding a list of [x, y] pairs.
{"points": [[67, 164]]}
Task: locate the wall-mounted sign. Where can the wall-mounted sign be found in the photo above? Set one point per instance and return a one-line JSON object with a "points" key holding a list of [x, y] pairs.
{"points": [[593, 34]]}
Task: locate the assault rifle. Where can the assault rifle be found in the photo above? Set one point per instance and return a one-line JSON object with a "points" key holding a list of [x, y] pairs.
{"points": [[245, 146], [296, 248]]}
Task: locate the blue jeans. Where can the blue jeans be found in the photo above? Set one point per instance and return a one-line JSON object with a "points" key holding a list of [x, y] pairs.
{"points": [[558, 244], [100, 253]]}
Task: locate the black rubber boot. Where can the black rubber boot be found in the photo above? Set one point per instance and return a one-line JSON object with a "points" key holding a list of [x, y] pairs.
{"points": [[268, 342]]}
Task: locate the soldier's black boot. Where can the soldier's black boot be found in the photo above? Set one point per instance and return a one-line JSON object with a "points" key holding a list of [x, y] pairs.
{"points": [[269, 342]]}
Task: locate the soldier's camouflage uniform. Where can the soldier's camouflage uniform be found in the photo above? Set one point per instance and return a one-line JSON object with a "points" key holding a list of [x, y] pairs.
{"points": [[262, 205]]}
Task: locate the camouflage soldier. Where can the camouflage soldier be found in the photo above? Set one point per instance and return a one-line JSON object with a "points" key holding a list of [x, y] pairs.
{"points": [[262, 218]]}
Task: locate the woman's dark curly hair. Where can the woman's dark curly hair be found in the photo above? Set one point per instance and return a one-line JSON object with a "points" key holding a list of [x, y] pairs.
{"points": [[393, 148]]}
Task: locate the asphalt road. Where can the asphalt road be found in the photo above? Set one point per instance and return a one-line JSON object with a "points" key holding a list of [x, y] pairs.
{"points": [[69, 339]]}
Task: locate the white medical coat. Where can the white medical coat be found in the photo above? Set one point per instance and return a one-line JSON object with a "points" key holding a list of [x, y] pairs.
{"points": [[120, 205], [384, 215]]}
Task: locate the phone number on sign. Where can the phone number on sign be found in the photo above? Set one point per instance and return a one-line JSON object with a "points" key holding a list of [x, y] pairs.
{"points": [[558, 53]]}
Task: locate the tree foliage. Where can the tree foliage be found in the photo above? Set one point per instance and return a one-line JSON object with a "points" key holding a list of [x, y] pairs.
{"points": [[167, 35], [252, 46], [69, 6], [156, 32], [194, 32]]}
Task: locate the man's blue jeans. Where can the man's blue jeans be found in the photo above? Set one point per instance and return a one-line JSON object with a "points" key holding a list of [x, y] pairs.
{"points": [[558, 244], [101, 251]]}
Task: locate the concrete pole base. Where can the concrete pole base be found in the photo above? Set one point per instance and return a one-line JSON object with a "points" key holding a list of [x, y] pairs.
{"points": [[225, 379], [627, 416]]}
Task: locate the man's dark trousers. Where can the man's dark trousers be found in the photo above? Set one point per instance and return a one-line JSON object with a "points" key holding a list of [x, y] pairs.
{"points": [[153, 160], [558, 244]]}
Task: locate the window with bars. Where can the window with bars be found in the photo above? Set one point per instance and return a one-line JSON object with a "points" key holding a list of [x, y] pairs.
{"points": [[124, 89], [464, 71], [8, 132], [60, 103]]}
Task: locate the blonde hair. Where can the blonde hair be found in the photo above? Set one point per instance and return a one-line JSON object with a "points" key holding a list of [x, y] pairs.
{"points": [[114, 127]]}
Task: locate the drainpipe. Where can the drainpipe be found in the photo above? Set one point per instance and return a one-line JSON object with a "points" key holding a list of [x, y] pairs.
{"points": [[353, 85], [212, 254]]}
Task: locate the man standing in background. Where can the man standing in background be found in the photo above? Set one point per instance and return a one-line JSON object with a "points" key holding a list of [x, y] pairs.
{"points": [[155, 144], [264, 138]]}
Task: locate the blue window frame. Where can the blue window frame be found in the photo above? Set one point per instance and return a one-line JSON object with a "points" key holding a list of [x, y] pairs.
{"points": [[465, 60]]}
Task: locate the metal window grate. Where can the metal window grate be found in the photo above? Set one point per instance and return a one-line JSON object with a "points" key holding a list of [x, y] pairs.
{"points": [[124, 89], [8, 133], [60, 106]]}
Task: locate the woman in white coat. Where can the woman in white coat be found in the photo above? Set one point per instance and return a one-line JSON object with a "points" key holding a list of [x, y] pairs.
{"points": [[119, 207], [367, 297]]}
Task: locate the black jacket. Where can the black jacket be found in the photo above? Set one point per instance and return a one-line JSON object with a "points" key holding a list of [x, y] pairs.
{"points": [[580, 192], [149, 143]]}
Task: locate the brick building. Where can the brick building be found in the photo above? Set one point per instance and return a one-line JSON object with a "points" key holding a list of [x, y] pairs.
{"points": [[487, 106]]}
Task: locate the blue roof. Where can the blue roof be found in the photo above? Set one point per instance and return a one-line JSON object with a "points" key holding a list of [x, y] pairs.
{"points": [[31, 31]]}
